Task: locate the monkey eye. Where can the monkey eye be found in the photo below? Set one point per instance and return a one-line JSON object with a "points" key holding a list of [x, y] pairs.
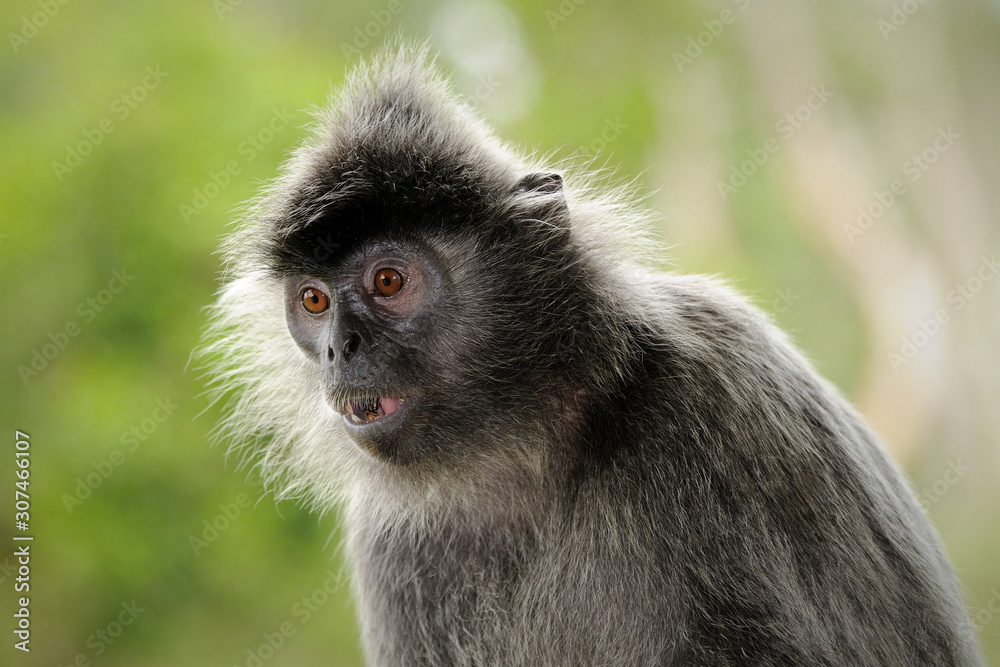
{"points": [[314, 301], [389, 281]]}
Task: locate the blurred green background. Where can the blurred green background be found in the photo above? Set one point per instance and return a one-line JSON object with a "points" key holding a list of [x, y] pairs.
{"points": [[838, 162]]}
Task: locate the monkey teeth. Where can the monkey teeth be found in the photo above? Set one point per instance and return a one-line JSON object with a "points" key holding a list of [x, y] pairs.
{"points": [[367, 410]]}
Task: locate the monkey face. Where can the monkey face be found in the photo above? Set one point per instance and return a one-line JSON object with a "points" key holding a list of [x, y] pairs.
{"points": [[427, 343], [373, 324]]}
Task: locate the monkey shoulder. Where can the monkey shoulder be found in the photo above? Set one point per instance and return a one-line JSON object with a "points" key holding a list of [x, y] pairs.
{"points": [[766, 506]]}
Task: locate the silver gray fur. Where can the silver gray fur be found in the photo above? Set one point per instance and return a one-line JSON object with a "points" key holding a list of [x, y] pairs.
{"points": [[639, 469]]}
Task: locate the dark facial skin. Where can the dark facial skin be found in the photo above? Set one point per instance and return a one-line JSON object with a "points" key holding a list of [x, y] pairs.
{"points": [[368, 324]]}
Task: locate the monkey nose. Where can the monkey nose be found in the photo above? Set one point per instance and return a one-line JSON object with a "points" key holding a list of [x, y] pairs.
{"points": [[351, 345]]}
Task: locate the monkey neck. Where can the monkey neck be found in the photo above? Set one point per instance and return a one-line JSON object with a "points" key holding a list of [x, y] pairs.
{"points": [[438, 583], [498, 494]]}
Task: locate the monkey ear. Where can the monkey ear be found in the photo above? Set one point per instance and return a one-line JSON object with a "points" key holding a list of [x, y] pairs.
{"points": [[545, 200], [540, 182]]}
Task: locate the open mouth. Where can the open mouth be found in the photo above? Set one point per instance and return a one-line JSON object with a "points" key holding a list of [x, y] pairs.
{"points": [[370, 409]]}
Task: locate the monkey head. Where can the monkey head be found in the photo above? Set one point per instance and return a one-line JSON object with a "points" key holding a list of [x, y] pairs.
{"points": [[435, 291]]}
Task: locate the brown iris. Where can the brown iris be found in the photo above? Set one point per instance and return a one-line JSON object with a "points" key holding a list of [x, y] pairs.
{"points": [[388, 281], [315, 301]]}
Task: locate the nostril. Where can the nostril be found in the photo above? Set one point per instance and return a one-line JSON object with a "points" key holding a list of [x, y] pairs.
{"points": [[351, 345], [329, 354]]}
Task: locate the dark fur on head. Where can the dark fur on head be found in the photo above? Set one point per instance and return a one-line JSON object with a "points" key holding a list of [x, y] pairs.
{"points": [[633, 468]]}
